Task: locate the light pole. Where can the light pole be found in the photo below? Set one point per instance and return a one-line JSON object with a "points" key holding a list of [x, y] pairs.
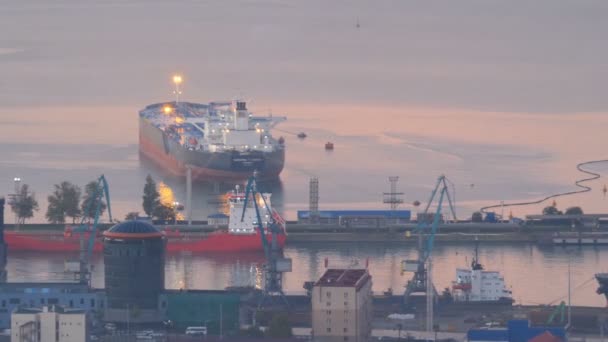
{"points": [[17, 198], [177, 80]]}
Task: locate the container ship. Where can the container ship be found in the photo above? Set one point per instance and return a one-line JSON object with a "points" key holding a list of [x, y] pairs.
{"points": [[217, 141], [242, 235]]}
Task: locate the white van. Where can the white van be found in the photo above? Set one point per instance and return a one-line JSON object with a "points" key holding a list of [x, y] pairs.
{"points": [[196, 331]]}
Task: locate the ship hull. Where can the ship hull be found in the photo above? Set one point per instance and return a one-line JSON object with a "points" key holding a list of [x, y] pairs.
{"points": [[213, 242], [228, 165]]}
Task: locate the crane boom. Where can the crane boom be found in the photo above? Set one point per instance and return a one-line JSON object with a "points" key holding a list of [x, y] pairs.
{"points": [[86, 248], [426, 239], [273, 275]]}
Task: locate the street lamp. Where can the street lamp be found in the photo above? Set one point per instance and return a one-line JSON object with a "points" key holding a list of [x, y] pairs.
{"points": [[17, 198], [177, 80]]}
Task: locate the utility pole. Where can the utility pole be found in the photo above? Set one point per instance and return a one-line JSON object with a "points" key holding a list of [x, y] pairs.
{"points": [[429, 298], [569, 294], [189, 193], [313, 210], [393, 198]]}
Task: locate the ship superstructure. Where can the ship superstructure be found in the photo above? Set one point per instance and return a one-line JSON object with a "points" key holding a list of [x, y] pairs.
{"points": [[245, 221], [476, 285], [218, 140]]}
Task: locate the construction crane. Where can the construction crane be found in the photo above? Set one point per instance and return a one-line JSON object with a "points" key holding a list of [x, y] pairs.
{"points": [[86, 229], [275, 263], [426, 238], [561, 310]]}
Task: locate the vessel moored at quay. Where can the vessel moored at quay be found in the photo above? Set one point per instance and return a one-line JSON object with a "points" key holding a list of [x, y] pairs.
{"points": [[217, 141], [242, 234]]}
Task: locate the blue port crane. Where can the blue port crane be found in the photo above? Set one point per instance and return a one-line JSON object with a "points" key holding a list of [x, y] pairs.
{"points": [[86, 246], [275, 263], [426, 239]]}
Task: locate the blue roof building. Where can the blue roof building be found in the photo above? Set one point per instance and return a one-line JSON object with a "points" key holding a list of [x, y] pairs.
{"points": [[336, 214], [516, 331]]}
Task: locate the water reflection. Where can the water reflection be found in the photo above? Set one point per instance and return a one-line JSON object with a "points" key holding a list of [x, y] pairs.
{"points": [[536, 275], [208, 197]]}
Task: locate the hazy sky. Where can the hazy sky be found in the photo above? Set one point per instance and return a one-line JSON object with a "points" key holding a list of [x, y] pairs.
{"points": [[525, 56]]}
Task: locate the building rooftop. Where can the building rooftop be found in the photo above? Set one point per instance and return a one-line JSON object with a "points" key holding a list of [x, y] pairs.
{"points": [[133, 229], [344, 278], [53, 308]]}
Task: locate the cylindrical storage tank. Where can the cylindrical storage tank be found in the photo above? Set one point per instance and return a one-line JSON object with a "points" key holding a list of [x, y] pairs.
{"points": [[134, 258]]}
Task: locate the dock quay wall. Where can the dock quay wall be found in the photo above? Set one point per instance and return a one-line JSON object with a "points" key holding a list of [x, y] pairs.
{"points": [[458, 232]]}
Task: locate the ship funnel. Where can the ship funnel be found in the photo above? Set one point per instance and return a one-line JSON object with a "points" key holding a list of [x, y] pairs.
{"points": [[241, 117]]}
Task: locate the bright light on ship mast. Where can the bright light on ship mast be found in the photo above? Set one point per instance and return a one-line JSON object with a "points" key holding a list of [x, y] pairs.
{"points": [[177, 80]]}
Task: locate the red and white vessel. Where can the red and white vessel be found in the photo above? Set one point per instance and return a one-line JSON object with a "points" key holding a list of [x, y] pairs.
{"points": [[241, 235]]}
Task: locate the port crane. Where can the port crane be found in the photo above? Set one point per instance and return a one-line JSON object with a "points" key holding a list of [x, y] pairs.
{"points": [[86, 229], [426, 238], [276, 264]]}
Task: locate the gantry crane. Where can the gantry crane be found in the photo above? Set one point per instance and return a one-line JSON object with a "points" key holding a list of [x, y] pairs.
{"points": [[426, 239], [276, 264], [86, 229]]}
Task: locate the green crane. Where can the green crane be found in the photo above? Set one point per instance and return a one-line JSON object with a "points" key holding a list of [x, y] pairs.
{"points": [[87, 229]]}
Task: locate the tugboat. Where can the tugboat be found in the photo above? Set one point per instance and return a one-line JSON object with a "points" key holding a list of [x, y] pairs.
{"points": [[477, 286], [329, 146]]}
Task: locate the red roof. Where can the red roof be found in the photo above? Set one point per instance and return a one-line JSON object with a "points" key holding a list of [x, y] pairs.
{"points": [[344, 278], [545, 337]]}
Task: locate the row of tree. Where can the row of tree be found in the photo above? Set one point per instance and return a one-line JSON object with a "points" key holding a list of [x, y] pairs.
{"points": [[66, 202], [550, 210]]}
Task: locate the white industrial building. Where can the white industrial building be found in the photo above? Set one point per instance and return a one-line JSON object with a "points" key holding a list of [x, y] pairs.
{"points": [[54, 324], [342, 306]]}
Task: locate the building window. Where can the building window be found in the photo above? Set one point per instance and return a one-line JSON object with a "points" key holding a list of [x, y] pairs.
{"points": [[345, 330], [345, 294], [329, 312], [53, 301], [41, 300], [81, 301], [328, 329], [345, 303], [328, 303], [3, 303], [71, 303], [92, 302], [328, 294], [14, 301]]}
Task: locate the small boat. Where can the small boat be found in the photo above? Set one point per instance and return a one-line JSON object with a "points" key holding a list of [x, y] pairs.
{"points": [[329, 146], [301, 135]]}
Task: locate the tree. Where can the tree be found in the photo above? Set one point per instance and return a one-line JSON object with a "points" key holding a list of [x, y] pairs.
{"points": [[279, 326], [574, 211], [164, 212], [151, 196], [132, 215], [476, 217], [24, 204], [64, 203], [93, 194], [551, 210]]}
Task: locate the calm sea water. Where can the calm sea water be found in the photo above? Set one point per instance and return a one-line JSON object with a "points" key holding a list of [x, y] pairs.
{"points": [[536, 275], [504, 99]]}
